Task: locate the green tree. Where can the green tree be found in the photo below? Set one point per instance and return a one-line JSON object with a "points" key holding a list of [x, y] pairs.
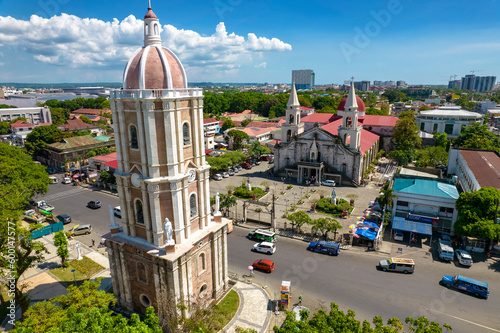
{"points": [[107, 177], [441, 140], [4, 127], [61, 241], [431, 156], [238, 138], [226, 202], [83, 309], [386, 196], [477, 136], [406, 136], [325, 225], [299, 218], [424, 108], [39, 138], [476, 214], [5, 106], [85, 120], [374, 111], [20, 180], [245, 122], [256, 150], [227, 124], [393, 95]]}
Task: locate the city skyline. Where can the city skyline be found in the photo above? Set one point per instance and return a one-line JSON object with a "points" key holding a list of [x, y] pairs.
{"points": [[236, 41]]}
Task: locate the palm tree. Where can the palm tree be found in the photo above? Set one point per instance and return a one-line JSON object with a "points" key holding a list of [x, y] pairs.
{"points": [[386, 197], [226, 202]]}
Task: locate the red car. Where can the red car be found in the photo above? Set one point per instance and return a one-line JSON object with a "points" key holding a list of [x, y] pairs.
{"points": [[246, 165], [264, 265]]}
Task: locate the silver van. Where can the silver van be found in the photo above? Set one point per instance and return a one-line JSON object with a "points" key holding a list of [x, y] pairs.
{"points": [[397, 265], [84, 229]]}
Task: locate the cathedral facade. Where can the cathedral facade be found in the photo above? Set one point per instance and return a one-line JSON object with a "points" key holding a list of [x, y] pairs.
{"points": [[167, 248], [341, 150]]}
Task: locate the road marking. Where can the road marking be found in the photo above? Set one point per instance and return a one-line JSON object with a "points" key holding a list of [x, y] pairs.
{"points": [[67, 193], [467, 321]]}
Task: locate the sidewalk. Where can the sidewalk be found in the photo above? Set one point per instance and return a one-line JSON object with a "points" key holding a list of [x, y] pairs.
{"points": [[254, 311]]}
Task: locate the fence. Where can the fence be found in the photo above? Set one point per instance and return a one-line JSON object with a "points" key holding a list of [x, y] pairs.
{"points": [[47, 230]]}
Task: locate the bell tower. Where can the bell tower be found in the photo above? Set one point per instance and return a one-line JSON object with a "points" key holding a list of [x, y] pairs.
{"points": [[292, 126], [168, 246], [350, 132]]}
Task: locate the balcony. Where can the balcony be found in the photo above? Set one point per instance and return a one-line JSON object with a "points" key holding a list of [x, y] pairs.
{"points": [[155, 94]]}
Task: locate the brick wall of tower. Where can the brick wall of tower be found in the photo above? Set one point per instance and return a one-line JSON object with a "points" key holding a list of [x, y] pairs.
{"points": [[160, 138], [202, 276]]}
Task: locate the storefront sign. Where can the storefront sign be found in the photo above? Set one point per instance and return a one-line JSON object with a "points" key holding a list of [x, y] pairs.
{"points": [[420, 218], [93, 175]]}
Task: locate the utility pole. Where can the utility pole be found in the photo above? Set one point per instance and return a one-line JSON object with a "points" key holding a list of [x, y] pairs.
{"points": [[273, 215]]}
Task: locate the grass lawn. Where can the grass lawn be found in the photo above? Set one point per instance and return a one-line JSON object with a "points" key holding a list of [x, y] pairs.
{"points": [[84, 270], [227, 307]]}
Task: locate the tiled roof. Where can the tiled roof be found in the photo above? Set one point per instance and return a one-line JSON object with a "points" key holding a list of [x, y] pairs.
{"points": [[96, 112], [21, 124], [485, 165], [323, 118], [106, 158], [209, 121], [425, 187], [75, 125], [75, 142], [255, 131], [261, 124], [375, 120]]}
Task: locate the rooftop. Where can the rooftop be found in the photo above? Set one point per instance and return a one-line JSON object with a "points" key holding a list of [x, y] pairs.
{"points": [[425, 187], [485, 165]]}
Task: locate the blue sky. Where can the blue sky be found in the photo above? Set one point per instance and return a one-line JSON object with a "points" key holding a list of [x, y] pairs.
{"points": [[253, 41]]}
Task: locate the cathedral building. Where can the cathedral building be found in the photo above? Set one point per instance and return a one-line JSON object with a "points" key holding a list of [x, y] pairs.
{"points": [[340, 150], [166, 248]]}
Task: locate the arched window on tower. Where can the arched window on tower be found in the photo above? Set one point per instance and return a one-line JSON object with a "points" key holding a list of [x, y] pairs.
{"points": [[146, 29], [289, 136], [185, 134], [291, 119], [133, 137], [348, 122], [192, 205], [201, 263], [156, 29], [141, 272], [139, 214]]}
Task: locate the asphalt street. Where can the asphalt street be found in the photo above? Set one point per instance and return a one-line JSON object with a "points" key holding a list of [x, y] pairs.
{"points": [[353, 282], [351, 279]]}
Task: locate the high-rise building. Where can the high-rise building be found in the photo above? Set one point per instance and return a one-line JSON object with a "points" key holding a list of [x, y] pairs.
{"points": [[362, 85], [401, 83], [478, 83], [168, 249], [303, 78], [454, 84]]}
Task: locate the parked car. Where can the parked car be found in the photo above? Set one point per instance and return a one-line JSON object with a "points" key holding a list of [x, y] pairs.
{"points": [[463, 257], [217, 176], [84, 229], [271, 160], [94, 204], [246, 165], [328, 182], [64, 218], [265, 158], [117, 211], [236, 170], [66, 180], [257, 162], [230, 172], [264, 247], [264, 265], [238, 167], [225, 175], [398, 236]]}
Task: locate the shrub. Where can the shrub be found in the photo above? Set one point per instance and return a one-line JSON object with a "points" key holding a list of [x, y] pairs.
{"points": [[242, 192]]}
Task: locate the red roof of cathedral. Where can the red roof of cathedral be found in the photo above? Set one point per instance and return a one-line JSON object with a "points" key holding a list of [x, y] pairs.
{"points": [[377, 120], [323, 118]]}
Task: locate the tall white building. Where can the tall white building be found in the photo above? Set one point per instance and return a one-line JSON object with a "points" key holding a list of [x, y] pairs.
{"points": [[303, 78]]}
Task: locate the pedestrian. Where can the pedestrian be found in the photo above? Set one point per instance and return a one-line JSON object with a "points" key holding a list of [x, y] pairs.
{"points": [[93, 243], [300, 299]]}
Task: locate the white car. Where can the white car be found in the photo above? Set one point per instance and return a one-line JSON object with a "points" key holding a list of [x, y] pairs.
{"points": [[463, 257], [217, 176], [66, 180], [328, 183], [264, 247], [398, 236], [117, 211], [225, 175]]}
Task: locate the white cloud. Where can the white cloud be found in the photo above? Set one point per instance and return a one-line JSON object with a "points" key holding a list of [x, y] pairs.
{"points": [[261, 65], [71, 41]]}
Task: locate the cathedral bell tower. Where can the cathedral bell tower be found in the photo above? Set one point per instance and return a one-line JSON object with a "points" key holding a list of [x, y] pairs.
{"points": [[292, 127], [168, 248], [350, 132]]}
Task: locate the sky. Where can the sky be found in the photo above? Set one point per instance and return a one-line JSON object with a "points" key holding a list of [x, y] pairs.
{"points": [[57, 41]]}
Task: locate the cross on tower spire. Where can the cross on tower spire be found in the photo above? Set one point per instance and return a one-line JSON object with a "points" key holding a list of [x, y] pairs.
{"points": [[149, 3]]}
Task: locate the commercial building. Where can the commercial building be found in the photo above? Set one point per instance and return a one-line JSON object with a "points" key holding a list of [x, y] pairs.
{"points": [[478, 83], [303, 79], [475, 168], [362, 85], [33, 116], [447, 119]]}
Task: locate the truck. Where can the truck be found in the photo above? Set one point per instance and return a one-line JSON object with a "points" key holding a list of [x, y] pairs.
{"points": [[32, 216], [45, 208], [445, 250]]}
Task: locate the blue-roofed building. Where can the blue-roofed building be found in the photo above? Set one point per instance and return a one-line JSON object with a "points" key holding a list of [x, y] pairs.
{"points": [[427, 201]]}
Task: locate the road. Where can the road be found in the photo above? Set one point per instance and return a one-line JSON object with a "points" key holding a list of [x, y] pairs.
{"points": [[352, 281]]}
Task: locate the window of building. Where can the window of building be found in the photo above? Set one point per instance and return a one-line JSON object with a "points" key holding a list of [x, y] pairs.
{"points": [[133, 137], [446, 210], [203, 290], [201, 263], [192, 205], [185, 134], [145, 301], [435, 128], [291, 119], [139, 214], [289, 136], [141, 272], [422, 126], [156, 29], [403, 203], [448, 128]]}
